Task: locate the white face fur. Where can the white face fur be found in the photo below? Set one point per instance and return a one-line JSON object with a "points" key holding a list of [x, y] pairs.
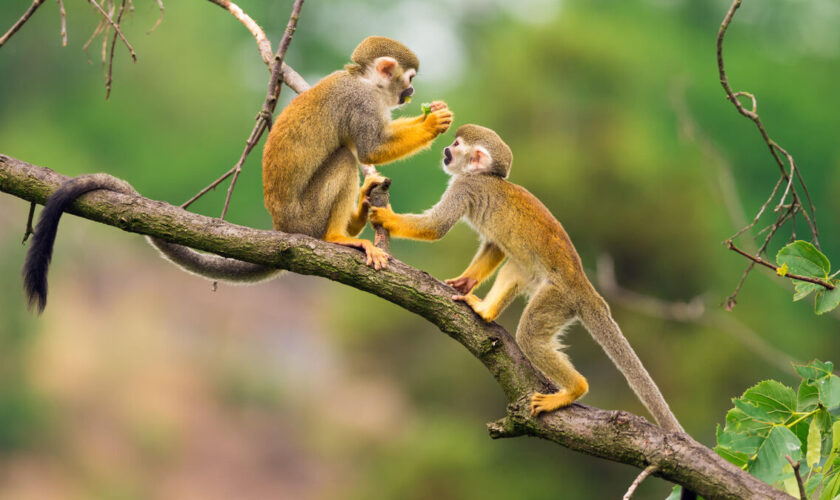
{"points": [[381, 74], [462, 158]]}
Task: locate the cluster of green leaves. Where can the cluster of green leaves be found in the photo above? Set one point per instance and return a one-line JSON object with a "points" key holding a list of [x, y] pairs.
{"points": [[804, 259], [771, 422]]}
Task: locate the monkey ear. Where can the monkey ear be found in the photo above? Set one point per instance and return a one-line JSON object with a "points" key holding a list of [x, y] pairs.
{"points": [[479, 160], [385, 66]]}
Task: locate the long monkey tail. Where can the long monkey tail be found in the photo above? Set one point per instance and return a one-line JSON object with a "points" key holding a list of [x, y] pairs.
{"points": [[39, 255], [598, 320]]}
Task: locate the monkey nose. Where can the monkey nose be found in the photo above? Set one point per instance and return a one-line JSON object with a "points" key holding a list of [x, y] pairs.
{"points": [[448, 156], [409, 91]]}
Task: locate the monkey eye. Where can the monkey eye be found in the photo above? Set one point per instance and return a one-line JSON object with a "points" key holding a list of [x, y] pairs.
{"points": [[455, 143]]}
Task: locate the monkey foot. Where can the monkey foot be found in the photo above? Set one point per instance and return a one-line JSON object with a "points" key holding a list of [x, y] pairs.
{"points": [[476, 305], [376, 257], [549, 402]]}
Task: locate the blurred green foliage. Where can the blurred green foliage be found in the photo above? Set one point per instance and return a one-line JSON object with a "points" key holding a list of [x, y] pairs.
{"points": [[588, 95]]}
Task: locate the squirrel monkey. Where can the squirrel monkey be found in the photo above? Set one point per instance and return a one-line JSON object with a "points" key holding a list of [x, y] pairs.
{"points": [[541, 262], [310, 174]]}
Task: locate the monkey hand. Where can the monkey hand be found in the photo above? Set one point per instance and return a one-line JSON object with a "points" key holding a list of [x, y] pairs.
{"points": [[464, 284], [440, 118], [476, 305], [383, 216], [371, 181]]}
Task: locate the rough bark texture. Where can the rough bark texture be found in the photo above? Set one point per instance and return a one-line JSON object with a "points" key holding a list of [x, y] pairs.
{"points": [[613, 435]]}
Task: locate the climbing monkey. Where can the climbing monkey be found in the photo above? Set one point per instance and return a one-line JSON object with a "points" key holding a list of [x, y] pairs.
{"points": [[310, 173], [541, 262]]}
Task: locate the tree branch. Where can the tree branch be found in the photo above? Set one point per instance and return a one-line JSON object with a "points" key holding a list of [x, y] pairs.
{"points": [[613, 435]]}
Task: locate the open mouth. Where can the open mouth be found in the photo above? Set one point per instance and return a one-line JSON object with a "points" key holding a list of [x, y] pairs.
{"points": [[447, 156], [407, 93]]}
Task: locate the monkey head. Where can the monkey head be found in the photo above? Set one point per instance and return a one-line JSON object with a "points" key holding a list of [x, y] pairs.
{"points": [[477, 150], [388, 64]]}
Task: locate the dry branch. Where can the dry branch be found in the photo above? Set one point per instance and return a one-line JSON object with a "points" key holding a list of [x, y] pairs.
{"points": [[613, 435], [20, 22]]}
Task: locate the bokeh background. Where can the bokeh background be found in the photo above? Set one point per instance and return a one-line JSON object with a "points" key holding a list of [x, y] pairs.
{"points": [[139, 381]]}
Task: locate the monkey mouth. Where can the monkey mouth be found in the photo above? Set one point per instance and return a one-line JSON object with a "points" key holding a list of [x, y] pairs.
{"points": [[406, 93], [447, 156]]}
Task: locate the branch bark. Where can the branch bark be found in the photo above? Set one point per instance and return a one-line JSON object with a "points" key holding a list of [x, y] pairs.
{"points": [[613, 435]]}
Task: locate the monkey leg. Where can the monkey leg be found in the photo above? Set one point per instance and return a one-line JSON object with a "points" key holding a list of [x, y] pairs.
{"points": [[548, 313], [340, 219], [508, 285]]}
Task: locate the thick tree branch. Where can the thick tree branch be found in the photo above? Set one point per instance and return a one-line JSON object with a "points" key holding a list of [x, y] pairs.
{"points": [[614, 435]]}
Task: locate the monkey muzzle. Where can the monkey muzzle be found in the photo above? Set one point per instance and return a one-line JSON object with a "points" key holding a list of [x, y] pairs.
{"points": [[447, 156], [406, 93]]}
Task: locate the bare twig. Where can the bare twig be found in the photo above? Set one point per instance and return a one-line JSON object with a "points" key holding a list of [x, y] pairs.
{"points": [[777, 152], [20, 22], [287, 74], [110, 71], [263, 44], [116, 28], [799, 482], [636, 482], [272, 95], [159, 19], [63, 23], [29, 231]]}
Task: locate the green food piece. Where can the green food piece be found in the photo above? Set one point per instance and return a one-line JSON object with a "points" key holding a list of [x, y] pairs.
{"points": [[407, 99], [427, 108]]}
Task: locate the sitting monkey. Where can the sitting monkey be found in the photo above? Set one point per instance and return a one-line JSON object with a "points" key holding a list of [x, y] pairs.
{"points": [[542, 262]]}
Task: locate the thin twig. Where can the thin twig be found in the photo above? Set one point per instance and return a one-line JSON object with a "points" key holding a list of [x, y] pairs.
{"points": [[272, 95], [795, 207], [759, 260], [109, 74], [799, 482], [650, 469], [159, 20], [63, 23], [263, 44], [116, 27], [20, 22], [29, 231]]}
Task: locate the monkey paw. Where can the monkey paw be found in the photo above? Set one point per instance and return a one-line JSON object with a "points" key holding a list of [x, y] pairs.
{"points": [[549, 402], [439, 121], [381, 216], [371, 181], [437, 105], [463, 284], [376, 257]]}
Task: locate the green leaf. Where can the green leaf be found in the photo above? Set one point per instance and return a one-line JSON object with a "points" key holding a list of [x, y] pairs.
{"points": [[770, 459], [803, 258], [808, 396], [829, 388], [827, 299], [815, 369], [769, 401], [791, 486], [676, 493], [812, 457], [804, 288], [813, 482], [831, 488], [736, 458], [835, 433]]}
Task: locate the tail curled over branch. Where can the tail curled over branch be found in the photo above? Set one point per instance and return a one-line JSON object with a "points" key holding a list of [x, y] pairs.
{"points": [[39, 255]]}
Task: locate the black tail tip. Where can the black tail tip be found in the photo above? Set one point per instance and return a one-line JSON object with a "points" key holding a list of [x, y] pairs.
{"points": [[35, 287]]}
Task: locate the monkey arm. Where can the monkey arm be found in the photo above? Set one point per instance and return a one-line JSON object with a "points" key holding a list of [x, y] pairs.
{"points": [[401, 137], [487, 259], [432, 224]]}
